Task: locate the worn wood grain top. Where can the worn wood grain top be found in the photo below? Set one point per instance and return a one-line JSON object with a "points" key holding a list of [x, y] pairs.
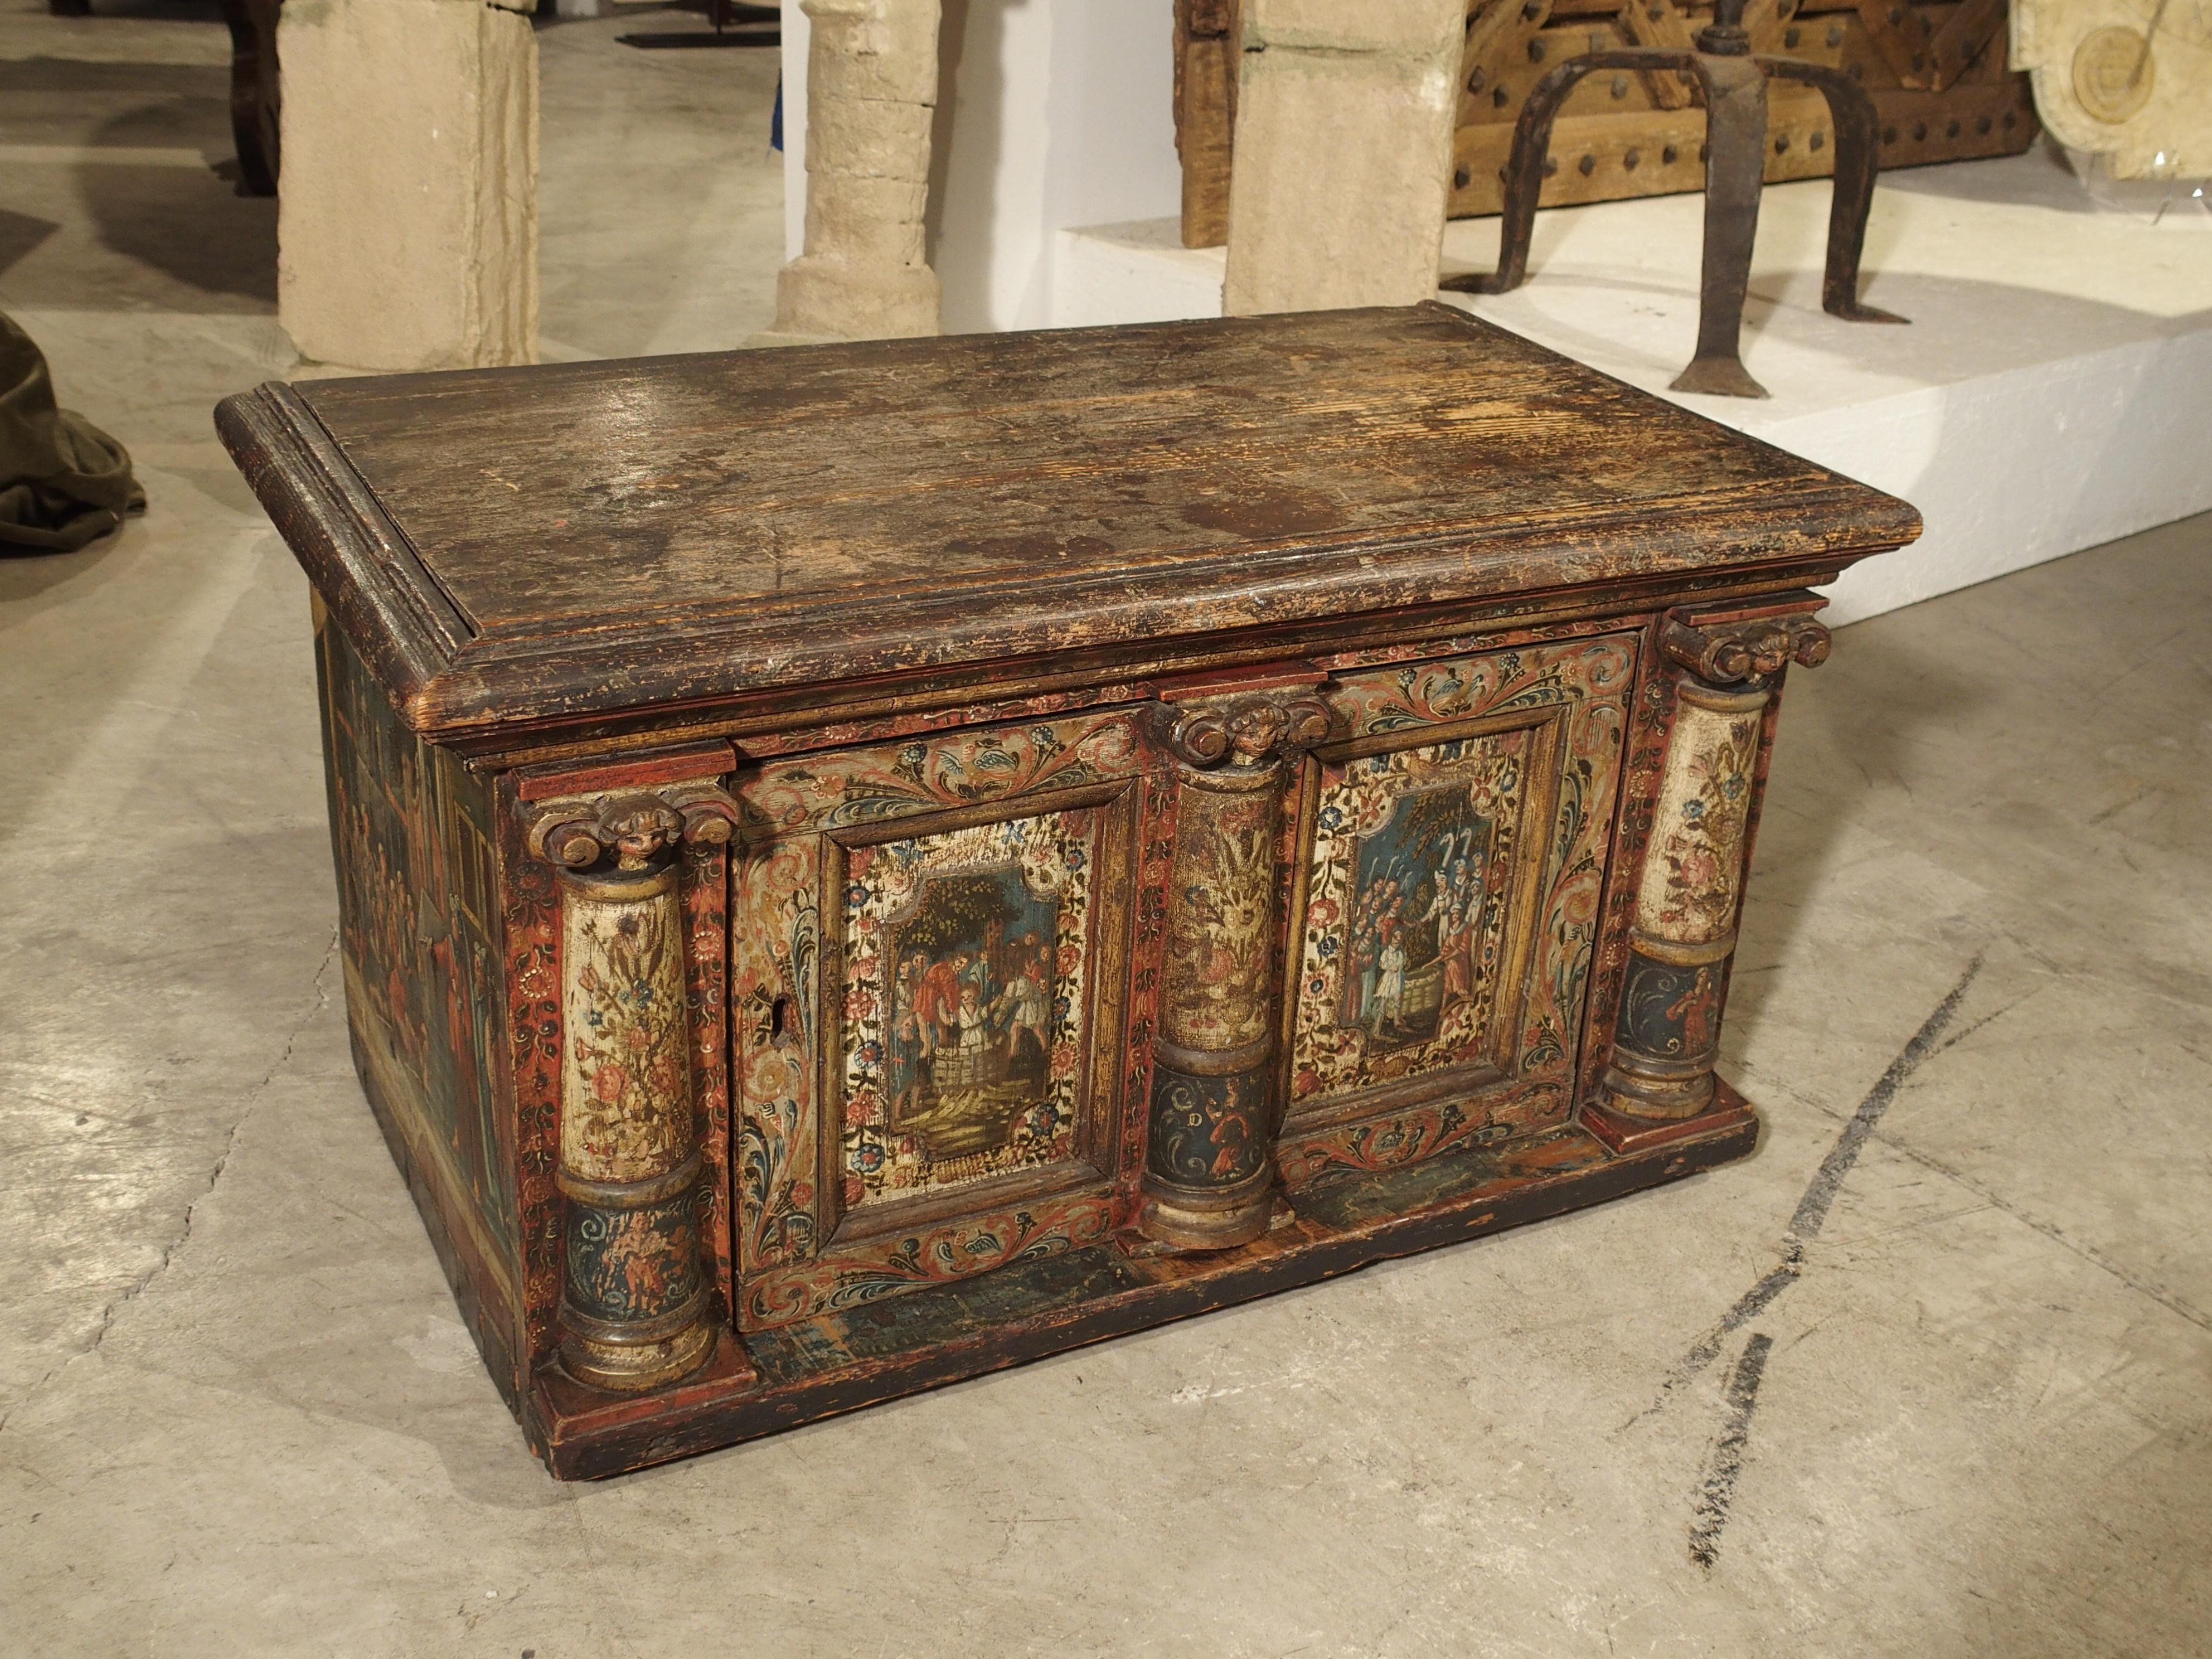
{"points": [[585, 537]]}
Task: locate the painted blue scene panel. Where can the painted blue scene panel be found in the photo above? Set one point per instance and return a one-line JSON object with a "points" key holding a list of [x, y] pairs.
{"points": [[1416, 909]]}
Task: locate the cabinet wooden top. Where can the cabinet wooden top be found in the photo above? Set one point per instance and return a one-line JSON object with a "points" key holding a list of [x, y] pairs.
{"points": [[573, 542]]}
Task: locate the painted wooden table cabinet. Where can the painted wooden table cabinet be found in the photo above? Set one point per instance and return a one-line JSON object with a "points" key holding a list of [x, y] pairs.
{"points": [[863, 864]]}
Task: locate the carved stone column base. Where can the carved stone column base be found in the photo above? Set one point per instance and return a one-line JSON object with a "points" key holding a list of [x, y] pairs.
{"points": [[820, 298], [1208, 1217]]}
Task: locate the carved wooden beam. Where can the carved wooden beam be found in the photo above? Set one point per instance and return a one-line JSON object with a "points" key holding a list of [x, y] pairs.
{"points": [[1656, 23], [1899, 33], [637, 1309], [1206, 48], [1209, 1173], [1959, 45]]}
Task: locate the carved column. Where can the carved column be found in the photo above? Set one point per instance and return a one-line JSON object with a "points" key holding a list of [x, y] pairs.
{"points": [[636, 1305], [1209, 1170], [1667, 1031], [870, 106]]}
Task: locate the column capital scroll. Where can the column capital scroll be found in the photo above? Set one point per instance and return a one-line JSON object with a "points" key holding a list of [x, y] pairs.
{"points": [[1249, 732], [1731, 654], [635, 829]]}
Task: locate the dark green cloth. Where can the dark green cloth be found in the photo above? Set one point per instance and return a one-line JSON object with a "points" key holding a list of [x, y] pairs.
{"points": [[62, 481]]}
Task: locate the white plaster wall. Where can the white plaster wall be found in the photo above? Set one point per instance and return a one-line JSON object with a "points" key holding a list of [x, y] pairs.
{"points": [[1052, 114], [798, 32]]}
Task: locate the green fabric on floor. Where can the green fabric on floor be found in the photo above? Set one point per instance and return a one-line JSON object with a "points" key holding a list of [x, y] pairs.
{"points": [[62, 481]]}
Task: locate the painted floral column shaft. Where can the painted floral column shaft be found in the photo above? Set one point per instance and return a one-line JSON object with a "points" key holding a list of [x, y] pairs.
{"points": [[1209, 1173], [635, 1307], [1684, 933]]}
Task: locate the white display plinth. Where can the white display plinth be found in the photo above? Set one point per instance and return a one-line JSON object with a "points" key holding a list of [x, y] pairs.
{"points": [[2053, 391]]}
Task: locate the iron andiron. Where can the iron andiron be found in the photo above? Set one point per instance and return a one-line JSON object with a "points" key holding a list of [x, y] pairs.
{"points": [[1734, 84]]}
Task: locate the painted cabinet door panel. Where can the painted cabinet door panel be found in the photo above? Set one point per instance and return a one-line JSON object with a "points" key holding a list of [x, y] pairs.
{"points": [[932, 979], [1451, 852]]}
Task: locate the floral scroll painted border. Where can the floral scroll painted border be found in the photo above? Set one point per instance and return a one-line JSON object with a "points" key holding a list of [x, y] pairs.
{"points": [[775, 960], [938, 1254], [846, 788], [706, 892], [1155, 870], [1643, 762], [532, 914], [786, 807]]}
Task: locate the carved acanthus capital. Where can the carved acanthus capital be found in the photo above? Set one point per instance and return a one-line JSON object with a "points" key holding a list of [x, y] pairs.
{"points": [[1246, 731], [634, 830], [1730, 653]]}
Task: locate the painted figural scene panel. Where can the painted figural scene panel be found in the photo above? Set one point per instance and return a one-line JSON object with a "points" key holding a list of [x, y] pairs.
{"points": [[1413, 853], [966, 1011], [417, 909], [1454, 861]]}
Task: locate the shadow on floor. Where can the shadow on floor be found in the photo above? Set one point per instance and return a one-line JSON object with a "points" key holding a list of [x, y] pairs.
{"points": [[166, 229]]}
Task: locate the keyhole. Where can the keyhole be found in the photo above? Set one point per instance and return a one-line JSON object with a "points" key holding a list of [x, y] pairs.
{"points": [[779, 1019]]}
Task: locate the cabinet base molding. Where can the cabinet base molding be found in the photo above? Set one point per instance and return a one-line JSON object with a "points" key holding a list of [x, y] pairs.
{"points": [[1617, 1132], [907, 1344]]}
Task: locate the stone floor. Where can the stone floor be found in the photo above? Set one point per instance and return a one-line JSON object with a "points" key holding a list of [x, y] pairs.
{"points": [[1926, 1375]]}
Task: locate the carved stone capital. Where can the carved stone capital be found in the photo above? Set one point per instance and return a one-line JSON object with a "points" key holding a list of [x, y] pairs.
{"points": [[1733, 654], [635, 831], [1247, 731]]}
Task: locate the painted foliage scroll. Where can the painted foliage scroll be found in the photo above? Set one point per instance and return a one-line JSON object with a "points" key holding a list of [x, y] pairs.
{"points": [[1453, 848], [929, 944]]}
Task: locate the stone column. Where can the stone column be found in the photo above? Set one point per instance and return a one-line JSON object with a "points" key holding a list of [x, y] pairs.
{"points": [[407, 213], [637, 1309], [870, 101], [1683, 936], [1209, 1175], [1343, 153]]}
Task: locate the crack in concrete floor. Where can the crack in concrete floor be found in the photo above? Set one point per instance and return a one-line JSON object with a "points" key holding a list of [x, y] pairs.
{"points": [[109, 1314]]}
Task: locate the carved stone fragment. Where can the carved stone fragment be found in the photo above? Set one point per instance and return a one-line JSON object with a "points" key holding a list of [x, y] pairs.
{"points": [[409, 217], [1344, 124], [2130, 81]]}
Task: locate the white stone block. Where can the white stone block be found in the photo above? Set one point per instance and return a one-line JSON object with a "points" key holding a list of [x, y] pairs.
{"points": [[1343, 153], [407, 223]]}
